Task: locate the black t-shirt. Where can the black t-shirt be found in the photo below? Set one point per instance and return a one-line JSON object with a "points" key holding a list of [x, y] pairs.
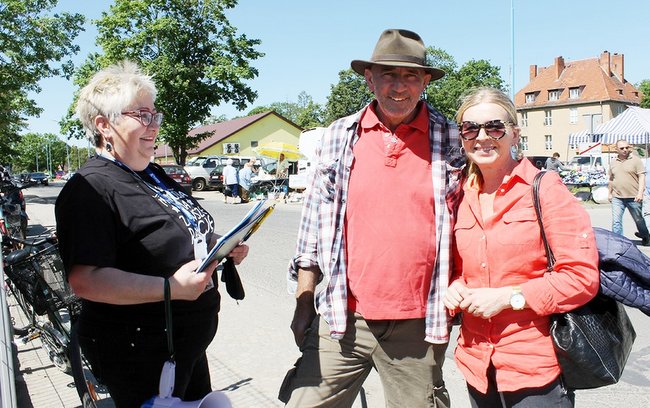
{"points": [[109, 217]]}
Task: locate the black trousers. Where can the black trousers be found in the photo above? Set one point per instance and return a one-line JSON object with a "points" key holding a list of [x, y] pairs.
{"points": [[554, 394], [128, 359]]}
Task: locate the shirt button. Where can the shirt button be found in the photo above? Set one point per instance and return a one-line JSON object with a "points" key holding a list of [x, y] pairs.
{"points": [[503, 190], [482, 264]]}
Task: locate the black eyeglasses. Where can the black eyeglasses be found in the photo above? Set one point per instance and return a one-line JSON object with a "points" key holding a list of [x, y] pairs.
{"points": [[146, 117], [625, 147], [495, 129]]}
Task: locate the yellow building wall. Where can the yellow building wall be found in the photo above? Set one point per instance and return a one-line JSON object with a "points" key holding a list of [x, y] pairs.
{"points": [[268, 129]]}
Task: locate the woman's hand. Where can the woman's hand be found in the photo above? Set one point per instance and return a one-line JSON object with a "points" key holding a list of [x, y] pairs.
{"points": [[187, 284], [239, 253], [454, 295], [486, 302]]}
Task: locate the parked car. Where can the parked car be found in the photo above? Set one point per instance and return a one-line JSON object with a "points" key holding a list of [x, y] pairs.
{"points": [[39, 178], [179, 174], [216, 176], [538, 161]]}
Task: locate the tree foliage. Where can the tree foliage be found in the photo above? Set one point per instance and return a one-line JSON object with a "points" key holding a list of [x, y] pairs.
{"points": [[305, 112], [444, 94], [644, 87], [194, 54], [34, 44], [349, 95]]}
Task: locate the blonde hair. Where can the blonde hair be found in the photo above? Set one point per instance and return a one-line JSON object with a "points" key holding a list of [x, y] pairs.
{"points": [[109, 92], [477, 96]]}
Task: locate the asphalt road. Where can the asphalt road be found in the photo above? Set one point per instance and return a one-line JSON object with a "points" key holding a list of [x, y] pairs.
{"points": [[254, 347]]}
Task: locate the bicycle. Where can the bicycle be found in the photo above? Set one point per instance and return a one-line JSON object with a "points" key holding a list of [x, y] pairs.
{"points": [[14, 217], [36, 280]]}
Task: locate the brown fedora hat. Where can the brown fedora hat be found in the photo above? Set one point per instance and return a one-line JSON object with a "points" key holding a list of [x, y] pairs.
{"points": [[399, 48]]}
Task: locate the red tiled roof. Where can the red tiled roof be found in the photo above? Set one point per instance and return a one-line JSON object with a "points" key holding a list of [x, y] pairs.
{"points": [[589, 75]]}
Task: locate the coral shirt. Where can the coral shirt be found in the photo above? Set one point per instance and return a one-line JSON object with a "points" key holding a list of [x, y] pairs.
{"points": [[507, 250], [390, 232]]}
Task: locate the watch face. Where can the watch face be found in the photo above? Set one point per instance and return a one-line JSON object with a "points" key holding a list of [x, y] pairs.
{"points": [[517, 301]]}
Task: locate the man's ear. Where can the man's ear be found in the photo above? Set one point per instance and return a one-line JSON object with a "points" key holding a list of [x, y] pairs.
{"points": [[368, 75]]}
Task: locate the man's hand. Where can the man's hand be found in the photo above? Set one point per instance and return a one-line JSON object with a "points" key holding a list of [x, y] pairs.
{"points": [[303, 316]]}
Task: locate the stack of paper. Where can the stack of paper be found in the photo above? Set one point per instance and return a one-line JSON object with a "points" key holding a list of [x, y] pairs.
{"points": [[238, 234]]}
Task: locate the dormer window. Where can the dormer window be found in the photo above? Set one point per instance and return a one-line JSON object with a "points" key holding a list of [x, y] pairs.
{"points": [[574, 93], [554, 95], [530, 97], [620, 91]]}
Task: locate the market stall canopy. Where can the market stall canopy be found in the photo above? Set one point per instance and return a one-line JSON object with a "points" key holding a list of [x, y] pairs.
{"points": [[633, 125], [274, 149], [584, 137]]}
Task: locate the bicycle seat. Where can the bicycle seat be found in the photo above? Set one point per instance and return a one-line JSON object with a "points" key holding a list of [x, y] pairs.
{"points": [[17, 256]]}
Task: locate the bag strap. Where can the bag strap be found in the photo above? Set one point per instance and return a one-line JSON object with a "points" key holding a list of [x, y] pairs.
{"points": [[550, 258], [168, 320]]}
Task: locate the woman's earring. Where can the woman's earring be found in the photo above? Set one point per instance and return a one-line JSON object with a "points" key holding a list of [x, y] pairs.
{"points": [[514, 152], [462, 150], [109, 147]]}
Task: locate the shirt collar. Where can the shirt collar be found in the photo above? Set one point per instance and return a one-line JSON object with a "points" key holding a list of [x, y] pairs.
{"points": [[370, 120]]}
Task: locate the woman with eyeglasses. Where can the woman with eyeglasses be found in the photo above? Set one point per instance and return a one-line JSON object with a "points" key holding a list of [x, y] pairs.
{"points": [[127, 232], [500, 283]]}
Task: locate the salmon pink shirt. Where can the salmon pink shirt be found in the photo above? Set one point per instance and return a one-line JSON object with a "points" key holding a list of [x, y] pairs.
{"points": [[507, 250], [390, 222]]}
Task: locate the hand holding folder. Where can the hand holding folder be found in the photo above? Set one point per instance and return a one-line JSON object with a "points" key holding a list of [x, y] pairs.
{"points": [[238, 234]]}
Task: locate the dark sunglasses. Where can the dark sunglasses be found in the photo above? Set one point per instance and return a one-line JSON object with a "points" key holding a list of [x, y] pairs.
{"points": [[146, 117], [495, 129]]}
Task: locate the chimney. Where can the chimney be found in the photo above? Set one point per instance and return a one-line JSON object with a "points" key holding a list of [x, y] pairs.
{"points": [[559, 66], [533, 72], [617, 66], [604, 62]]}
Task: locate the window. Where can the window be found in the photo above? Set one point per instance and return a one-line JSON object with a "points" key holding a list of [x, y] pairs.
{"points": [[574, 93], [548, 142], [530, 97], [618, 109], [573, 115], [524, 118], [523, 143], [548, 118], [253, 143], [554, 95]]}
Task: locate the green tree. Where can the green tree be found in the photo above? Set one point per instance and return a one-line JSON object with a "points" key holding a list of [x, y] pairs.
{"points": [[305, 113], [39, 152], [349, 95], [445, 93], [644, 87], [34, 44], [194, 54]]}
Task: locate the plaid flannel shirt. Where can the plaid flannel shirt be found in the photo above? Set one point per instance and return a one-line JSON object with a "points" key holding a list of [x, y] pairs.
{"points": [[321, 241]]}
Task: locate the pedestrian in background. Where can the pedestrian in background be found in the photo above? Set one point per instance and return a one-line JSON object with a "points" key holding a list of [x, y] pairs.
{"points": [[554, 164], [245, 175], [230, 182], [384, 257], [627, 181]]}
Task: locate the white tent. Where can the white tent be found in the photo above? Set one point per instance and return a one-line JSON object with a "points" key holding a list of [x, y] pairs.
{"points": [[583, 137], [632, 125]]}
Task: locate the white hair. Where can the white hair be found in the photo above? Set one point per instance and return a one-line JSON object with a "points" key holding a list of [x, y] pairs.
{"points": [[109, 92]]}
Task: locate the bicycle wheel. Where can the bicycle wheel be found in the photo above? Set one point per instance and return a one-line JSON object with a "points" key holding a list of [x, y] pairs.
{"points": [[92, 393], [54, 342]]}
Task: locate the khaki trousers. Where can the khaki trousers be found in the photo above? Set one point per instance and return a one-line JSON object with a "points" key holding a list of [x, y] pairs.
{"points": [[330, 373]]}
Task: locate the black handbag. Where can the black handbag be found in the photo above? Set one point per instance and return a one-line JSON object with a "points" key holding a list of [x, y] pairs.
{"points": [[592, 343]]}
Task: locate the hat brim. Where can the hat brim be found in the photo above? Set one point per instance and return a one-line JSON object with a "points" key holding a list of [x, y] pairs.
{"points": [[359, 66]]}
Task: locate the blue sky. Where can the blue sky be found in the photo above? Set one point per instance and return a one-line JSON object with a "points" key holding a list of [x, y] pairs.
{"points": [[307, 42]]}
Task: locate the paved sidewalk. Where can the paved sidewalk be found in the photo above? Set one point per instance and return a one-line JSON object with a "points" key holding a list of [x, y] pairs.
{"points": [[253, 349]]}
